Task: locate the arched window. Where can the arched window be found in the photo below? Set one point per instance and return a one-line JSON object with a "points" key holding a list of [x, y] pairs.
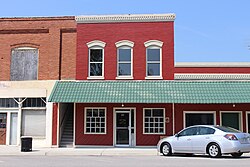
{"points": [[24, 64], [96, 59], [124, 59], [153, 59]]}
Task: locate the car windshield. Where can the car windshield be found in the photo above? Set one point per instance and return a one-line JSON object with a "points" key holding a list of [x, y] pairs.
{"points": [[227, 129]]}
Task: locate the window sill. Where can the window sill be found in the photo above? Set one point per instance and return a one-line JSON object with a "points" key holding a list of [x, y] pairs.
{"points": [[95, 78], [35, 137], [125, 77], [154, 77], [94, 133], [154, 134]]}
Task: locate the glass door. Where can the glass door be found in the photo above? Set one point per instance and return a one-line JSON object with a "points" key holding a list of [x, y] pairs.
{"points": [[3, 118], [13, 129], [123, 133]]}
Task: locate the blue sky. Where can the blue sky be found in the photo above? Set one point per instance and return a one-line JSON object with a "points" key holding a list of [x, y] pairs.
{"points": [[205, 30]]}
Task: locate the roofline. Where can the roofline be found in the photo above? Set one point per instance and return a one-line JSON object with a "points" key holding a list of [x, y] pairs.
{"points": [[37, 18], [125, 18], [212, 64]]}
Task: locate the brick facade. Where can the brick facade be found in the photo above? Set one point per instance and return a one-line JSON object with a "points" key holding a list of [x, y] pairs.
{"points": [[55, 38], [107, 139], [110, 33]]}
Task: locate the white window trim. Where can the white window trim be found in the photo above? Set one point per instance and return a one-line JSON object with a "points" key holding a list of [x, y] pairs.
{"points": [[240, 118], [247, 129], [197, 112], [124, 43], [96, 77], [131, 62], [164, 122], [154, 44], [96, 43], [85, 120]]}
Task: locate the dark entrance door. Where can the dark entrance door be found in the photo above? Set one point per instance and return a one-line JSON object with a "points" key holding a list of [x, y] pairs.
{"points": [[3, 118], [122, 128]]}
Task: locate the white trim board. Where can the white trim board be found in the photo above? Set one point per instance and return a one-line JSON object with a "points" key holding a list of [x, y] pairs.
{"points": [[207, 76]]}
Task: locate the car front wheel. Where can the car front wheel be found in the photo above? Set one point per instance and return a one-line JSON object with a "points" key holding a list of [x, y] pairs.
{"points": [[236, 155], [214, 150], [166, 149]]}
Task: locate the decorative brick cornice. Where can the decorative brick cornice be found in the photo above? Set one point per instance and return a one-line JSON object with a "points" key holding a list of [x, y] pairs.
{"points": [[125, 18], [37, 18]]}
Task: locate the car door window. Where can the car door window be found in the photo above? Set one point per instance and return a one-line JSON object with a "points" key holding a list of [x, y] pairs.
{"points": [[189, 132], [206, 131]]}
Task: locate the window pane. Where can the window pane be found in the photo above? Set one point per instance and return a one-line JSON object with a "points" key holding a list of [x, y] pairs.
{"points": [[158, 112], [34, 102], [95, 55], [24, 63], [124, 55], [124, 69], [199, 119], [95, 112], [206, 131], [95, 69], [89, 113], [231, 120], [33, 123], [147, 113], [8, 103], [153, 54], [153, 69], [101, 113]]}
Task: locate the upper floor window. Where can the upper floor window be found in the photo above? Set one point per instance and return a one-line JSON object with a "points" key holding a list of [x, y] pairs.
{"points": [[96, 59], [153, 59], [24, 64], [124, 59]]}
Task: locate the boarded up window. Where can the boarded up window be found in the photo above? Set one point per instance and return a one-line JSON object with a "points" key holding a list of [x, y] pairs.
{"points": [[24, 63]]}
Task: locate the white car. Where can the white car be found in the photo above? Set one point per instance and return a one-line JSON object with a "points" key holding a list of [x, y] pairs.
{"points": [[206, 139]]}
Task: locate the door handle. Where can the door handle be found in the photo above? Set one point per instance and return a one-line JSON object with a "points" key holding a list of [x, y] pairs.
{"points": [[188, 139], [207, 138]]}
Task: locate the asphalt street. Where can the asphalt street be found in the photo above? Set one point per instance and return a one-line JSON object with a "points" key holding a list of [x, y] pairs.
{"points": [[115, 161]]}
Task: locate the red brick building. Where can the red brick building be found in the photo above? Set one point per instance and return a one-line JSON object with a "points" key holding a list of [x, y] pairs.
{"points": [[35, 52], [129, 93]]}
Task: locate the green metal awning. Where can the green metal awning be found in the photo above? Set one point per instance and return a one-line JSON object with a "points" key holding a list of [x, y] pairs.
{"points": [[202, 92]]}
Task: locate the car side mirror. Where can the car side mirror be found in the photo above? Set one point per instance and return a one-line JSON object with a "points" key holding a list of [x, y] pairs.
{"points": [[177, 135]]}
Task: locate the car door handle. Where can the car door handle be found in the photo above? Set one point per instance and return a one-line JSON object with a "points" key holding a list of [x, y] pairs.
{"points": [[207, 137], [188, 139]]}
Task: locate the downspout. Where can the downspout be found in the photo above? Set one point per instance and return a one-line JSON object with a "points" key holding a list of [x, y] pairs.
{"points": [[60, 57], [173, 110]]}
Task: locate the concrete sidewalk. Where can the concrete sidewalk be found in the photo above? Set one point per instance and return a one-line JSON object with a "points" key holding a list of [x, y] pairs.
{"points": [[15, 150]]}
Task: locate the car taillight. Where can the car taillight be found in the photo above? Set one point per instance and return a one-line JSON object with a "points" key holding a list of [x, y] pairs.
{"points": [[230, 137]]}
